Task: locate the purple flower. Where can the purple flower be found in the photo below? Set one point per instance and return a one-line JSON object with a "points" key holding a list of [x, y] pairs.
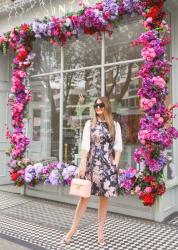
{"points": [[39, 28], [156, 164], [54, 177], [131, 6], [38, 169], [111, 6]]}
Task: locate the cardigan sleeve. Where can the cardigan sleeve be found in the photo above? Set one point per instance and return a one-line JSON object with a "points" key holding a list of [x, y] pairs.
{"points": [[86, 136], [118, 138]]}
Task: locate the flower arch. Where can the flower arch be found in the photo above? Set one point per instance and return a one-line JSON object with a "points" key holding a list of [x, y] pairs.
{"points": [[154, 134]]}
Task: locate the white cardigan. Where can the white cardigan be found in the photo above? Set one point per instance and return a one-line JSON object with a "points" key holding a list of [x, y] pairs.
{"points": [[86, 137]]}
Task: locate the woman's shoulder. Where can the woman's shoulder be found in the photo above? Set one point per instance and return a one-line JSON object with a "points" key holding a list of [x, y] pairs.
{"points": [[116, 123], [87, 123]]}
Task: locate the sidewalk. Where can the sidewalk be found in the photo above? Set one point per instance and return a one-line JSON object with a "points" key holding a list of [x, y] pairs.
{"points": [[28, 223], [5, 244]]}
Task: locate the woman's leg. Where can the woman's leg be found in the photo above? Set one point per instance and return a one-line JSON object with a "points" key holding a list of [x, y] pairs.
{"points": [[80, 210], [102, 212]]}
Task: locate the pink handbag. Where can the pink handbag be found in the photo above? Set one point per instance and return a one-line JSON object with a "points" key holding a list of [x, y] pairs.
{"points": [[80, 187]]}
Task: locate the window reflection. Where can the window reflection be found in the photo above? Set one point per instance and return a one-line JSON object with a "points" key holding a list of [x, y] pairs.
{"points": [[86, 51], [47, 58], [36, 124], [121, 88], [118, 46], [37, 96], [81, 89]]}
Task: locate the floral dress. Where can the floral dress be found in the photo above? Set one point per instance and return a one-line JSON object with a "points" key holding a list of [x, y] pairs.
{"points": [[100, 168]]}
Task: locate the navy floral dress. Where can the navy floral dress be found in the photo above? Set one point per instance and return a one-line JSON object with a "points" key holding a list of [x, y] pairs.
{"points": [[100, 168]]}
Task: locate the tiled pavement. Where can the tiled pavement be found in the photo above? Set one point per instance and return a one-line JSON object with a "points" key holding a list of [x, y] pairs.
{"points": [[38, 224]]}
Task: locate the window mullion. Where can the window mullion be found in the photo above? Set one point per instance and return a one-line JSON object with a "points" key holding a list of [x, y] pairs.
{"points": [[61, 107], [102, 65]]}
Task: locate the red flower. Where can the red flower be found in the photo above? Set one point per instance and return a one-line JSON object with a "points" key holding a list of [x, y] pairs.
{"points": [[148, 199], [149, 3], [63, 38], [154, 185], [14, 176], [161, 189], [153, 12], [21, 56], [25, 27], [89, 31], [149, 178]]}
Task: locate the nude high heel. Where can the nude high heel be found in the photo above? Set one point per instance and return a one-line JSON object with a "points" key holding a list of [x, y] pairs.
{"points": [[101, 242]]}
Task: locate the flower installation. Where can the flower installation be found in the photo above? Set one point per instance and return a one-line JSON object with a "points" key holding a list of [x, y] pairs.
{"points": [[155, 135], [55, 173], [131, 181]]}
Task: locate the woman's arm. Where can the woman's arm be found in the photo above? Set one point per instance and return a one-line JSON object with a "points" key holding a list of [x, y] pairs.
{"points": [[118, 147], [117, 157], [83, 161], [85, 148]]}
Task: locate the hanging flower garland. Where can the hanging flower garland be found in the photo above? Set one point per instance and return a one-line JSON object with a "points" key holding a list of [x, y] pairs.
{"points": [[154, 135]]}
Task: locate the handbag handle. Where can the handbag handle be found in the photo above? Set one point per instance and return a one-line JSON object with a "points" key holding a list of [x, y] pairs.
{"points": [[81, 177]]}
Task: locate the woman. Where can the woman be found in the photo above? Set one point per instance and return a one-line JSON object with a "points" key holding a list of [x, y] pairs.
{"points": [[101, 150]]}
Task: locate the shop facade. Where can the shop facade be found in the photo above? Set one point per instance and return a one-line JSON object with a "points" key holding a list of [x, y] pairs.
{"points": [[66, 81]]}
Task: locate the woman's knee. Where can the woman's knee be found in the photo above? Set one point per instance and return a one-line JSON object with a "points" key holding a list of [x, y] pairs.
{"points": [[103, 199], [84, 199]]}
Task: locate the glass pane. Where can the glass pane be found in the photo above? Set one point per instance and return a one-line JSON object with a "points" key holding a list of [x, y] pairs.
{"points": [[36, 124], [47, 59], [80, 90], [83, 52], [44, 130], [121, 88], [118, 47], [37, 96]]}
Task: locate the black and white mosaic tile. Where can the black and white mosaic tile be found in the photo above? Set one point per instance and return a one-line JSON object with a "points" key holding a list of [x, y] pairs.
{"points": [[49, 215], [9, 200], [42, 225], [173, 220]]}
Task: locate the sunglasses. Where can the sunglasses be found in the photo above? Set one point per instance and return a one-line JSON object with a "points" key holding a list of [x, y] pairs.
{"points": [[99, 105]]}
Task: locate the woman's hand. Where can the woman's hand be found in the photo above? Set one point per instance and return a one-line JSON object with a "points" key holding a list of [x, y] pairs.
{"points": [[83, 163], [114, 163], [116, 166], [82, 170]]}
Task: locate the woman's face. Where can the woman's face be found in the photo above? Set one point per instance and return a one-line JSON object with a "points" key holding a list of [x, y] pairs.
{"points": [[99, 107]]}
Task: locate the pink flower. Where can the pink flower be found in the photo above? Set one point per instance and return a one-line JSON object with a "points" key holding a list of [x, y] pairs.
{"points": [[147, 22], [146, 104], [137, 189], [21, 172], [148, 54], [148, 189], [99, 6], [1, 39], [69, 34], [158, 120], [159, 81], [107, 14]]}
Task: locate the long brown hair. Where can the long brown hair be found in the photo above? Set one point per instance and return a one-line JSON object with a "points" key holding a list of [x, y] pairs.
{"points": [[107, 115]]}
